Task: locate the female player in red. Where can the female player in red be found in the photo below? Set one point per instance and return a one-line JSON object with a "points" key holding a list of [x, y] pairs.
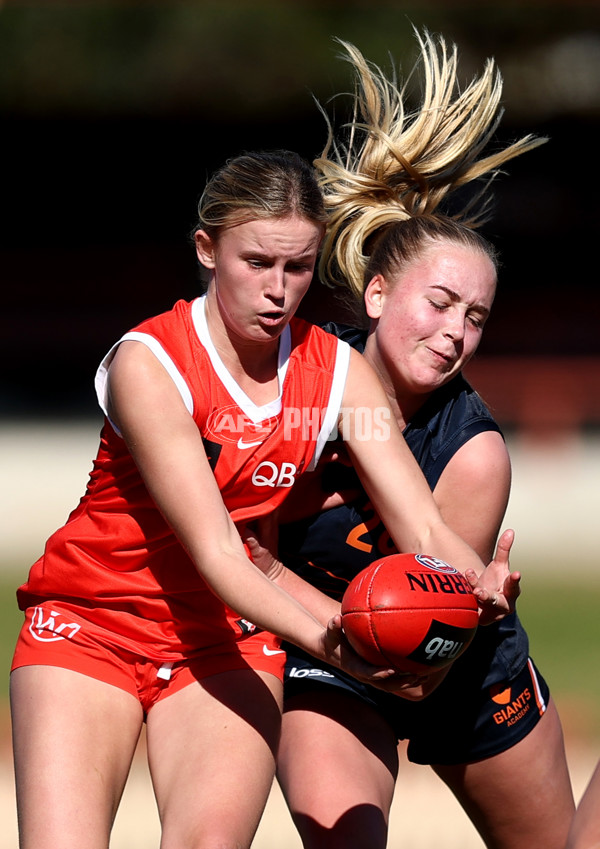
{"points": [[139, 608], [427, 281]]}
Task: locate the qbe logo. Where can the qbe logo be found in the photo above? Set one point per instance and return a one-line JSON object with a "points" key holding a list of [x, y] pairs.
{"points": [[52, 628], [269, 474]]}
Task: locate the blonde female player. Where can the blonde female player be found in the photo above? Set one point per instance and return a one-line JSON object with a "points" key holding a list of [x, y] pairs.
{"points": [[490, 729], [129, 613]]}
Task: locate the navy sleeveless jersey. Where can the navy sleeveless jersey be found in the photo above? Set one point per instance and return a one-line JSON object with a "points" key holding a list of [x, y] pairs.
{"points": [[330, 548]]}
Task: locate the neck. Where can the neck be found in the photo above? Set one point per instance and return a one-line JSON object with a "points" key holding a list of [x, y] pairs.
{"points": [[252, 364]]}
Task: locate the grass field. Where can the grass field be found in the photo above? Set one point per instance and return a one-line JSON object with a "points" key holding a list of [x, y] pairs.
{"points": [[561, 618]]}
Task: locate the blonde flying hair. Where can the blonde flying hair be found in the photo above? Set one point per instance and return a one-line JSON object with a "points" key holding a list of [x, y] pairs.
{"points": [[397, 166]]}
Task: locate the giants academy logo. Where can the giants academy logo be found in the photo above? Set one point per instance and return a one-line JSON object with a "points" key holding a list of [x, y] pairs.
{"points": [[52, 628], [514, 701], [512, 706]]}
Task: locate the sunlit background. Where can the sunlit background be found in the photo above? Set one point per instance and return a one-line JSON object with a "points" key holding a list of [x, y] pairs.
{"points": [[113, 114]]}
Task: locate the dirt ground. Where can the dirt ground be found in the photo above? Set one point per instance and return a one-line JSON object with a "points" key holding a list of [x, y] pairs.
{"points": [[424, 814]]}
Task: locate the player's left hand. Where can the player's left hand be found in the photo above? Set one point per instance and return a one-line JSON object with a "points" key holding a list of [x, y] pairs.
{"points": [[406, 685], [338, 651], [497, 588]]}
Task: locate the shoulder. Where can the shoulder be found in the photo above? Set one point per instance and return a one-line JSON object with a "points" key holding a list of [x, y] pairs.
{"points": [[454, 408], [311, 344], [179, 312], [354, 336], [482, 457], [450, 419]]}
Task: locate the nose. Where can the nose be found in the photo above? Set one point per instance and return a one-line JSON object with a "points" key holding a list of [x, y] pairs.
{"points": [[275, 289], [455, 326]]}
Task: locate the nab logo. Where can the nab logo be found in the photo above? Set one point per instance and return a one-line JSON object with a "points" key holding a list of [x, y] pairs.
{"points": [[55, 627], [441, 643]]}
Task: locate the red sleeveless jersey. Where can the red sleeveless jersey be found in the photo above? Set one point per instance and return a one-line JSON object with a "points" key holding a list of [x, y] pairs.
{"points": [[117, 557]]}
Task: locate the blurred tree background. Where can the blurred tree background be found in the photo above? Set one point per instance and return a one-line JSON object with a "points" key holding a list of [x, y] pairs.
{"points": [[114, 113]]}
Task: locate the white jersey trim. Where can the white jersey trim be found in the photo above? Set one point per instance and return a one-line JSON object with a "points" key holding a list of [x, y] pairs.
{"points": [[255, 414], [338, 384], [101, 379]]}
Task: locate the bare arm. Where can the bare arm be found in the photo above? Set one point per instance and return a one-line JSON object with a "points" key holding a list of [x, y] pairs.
{"points": [[472, 495], [403, 500], [473, 490], [167, 448]]}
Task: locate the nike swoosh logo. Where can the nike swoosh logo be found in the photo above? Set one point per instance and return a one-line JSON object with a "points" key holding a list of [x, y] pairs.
{"points": [[269, 652], [242, 444]]}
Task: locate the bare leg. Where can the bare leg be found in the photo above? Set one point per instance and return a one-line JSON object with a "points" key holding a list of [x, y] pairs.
{"points": [[337, 767], [521, 798], [73, 740], [212, 748], [585, 828]]}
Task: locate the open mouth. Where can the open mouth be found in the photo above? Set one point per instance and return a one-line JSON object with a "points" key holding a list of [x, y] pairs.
{"points": [[271, 317]]}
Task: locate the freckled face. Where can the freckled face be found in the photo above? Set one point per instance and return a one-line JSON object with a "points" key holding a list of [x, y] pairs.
{"points": [[429, 320], [260, 272]]}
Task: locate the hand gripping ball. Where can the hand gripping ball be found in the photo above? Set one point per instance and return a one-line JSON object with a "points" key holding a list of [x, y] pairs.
{"points": [[410, 611]]}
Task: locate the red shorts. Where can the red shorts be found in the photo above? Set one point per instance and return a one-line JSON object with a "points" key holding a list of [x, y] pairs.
{"points": [[54, 636]]}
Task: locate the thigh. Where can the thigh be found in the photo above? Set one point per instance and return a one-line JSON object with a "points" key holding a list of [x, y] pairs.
{"points": [[212, 748], [337, 768], [73, 740], [585, 828], [521, 797]]}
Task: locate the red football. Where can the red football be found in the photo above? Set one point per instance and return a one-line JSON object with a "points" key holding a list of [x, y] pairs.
{"points": [[413, 612]]}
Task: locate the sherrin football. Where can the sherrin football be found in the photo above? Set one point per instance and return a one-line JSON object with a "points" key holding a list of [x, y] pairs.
{"points": [[412, 612]]}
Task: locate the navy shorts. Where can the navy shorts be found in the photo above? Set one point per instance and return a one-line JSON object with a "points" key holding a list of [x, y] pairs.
{"points": [[460, 722]]}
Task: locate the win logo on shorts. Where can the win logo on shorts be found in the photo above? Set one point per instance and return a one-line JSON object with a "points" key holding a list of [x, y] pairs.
{"points": [[54, 627]]}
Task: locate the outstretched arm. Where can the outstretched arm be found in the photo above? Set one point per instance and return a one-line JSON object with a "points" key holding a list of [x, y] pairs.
{"points": [[398, 489], [472, 494]]}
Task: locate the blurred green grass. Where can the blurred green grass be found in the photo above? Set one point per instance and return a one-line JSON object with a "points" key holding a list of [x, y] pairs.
{"points": [[11, 619], [561, 616]]}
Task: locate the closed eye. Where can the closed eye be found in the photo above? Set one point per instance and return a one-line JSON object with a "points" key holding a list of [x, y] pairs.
{"points": [[299, 267], [477, 320], [439, 307]]}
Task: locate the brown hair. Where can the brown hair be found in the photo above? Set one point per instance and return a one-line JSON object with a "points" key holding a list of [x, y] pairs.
{"points": [[267, 184]]}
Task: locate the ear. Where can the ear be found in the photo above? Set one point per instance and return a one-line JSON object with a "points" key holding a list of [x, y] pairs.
{"points": [[375, 296], [205, 248]]}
